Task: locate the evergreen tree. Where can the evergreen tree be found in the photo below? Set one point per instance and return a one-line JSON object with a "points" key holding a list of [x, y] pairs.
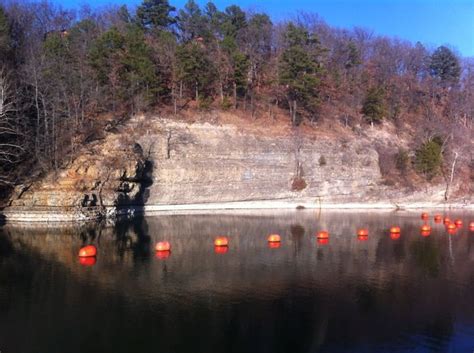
{"points": [[373, 106], [105, 54], [299, 70], [195, 69], [191, 22], [234, 21], [353, 58], [445, 66], [140, 72], [428, 158], [5, 37], [155, 14]]}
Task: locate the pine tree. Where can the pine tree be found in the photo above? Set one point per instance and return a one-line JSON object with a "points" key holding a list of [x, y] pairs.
{"points": [[299, 70], [5, 37], [373, 106], [445, 66], [195, 69], [191, 22], [155, 14]]}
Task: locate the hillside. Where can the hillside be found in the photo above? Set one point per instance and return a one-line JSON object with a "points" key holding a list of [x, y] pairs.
{"points": [[154, 163]]}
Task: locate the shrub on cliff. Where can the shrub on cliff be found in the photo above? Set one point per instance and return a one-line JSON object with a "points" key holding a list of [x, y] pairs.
{"points": [[373, 106], [428, 158], [401, 161], [298, 184]]}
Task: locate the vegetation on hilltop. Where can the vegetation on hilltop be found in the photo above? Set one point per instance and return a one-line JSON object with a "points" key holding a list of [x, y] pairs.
{"points": [[61, 71]]}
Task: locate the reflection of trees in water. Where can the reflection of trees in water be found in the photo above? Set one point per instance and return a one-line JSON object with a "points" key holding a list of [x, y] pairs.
{"points": [[133, 235], [427, 256], [297, 233]]}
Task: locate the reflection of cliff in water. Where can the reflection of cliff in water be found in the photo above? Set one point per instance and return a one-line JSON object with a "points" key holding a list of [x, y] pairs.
{"points": [[402, 285]]}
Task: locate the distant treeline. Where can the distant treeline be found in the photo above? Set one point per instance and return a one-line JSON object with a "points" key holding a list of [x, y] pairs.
{"points": [[62, 69]]}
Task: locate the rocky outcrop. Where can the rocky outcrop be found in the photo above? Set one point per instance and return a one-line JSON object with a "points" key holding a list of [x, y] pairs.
{"points": [[155, 164], [106, 176]]}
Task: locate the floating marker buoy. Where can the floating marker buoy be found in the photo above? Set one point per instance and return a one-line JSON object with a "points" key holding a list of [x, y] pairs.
{"points": [[221, 241], [273, 245], [88, 261], [438, 218], [362, 237], [471, 226], [425, 216], [224, 249], [395, 230], [451, 226], [425, 228], [274, 238], [458, 222], [446, 220], [452, 231], [163, 246], [322, 241], [163, 254], [395, 236], [322, 234], [363, 232], [88, 251]]}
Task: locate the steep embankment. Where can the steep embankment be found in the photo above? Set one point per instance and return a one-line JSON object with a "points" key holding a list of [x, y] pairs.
{"points": [[162, 164]]}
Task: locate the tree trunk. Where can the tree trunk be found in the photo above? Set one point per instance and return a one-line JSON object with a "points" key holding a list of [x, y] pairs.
{"points": [[293, 117], [451, 178], [235, 95]]}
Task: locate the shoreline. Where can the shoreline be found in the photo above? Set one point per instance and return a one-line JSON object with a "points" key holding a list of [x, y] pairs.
{"points": [[62, 215]]}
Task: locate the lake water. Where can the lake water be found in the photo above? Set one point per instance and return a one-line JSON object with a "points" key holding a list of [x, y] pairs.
{"points": [[411, 294]]}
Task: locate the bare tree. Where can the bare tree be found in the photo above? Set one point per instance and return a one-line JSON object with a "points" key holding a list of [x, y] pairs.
{"points": [[10, 149]]}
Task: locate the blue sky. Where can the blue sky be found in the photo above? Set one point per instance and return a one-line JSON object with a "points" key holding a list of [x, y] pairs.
{"points": [[432, 22]]}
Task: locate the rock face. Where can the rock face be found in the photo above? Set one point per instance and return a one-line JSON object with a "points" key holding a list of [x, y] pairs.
{"points": [[153, 163], [202, 163], [107, 174]]}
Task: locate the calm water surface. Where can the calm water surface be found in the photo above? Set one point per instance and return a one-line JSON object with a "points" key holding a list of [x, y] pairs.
{"points": [[412, 294]]}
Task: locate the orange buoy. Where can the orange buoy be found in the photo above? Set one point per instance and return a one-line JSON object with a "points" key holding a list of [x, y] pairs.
{"points": [[322, 234], [221, 241], [362, 237], [458, 222], [323, 241], [425, 233], [471, 226], [425, 216], [274, 238], [395, 230], [220, 249], [88, 261], [272, 245], [425, 228], [395, 236], [438, 218], [363, 232], [451, 226], [446, 220], [88, 251], [163, 246], [163, 254], [452, 231]]}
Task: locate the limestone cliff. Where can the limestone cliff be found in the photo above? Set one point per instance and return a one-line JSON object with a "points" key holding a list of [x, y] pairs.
{"points": [[153, 163]]}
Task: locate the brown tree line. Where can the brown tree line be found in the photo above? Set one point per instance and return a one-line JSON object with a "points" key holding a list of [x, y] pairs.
{"points": [[63, 71]]}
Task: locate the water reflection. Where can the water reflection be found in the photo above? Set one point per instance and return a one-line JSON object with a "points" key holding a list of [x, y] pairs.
{"points": [[409, 293]]}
